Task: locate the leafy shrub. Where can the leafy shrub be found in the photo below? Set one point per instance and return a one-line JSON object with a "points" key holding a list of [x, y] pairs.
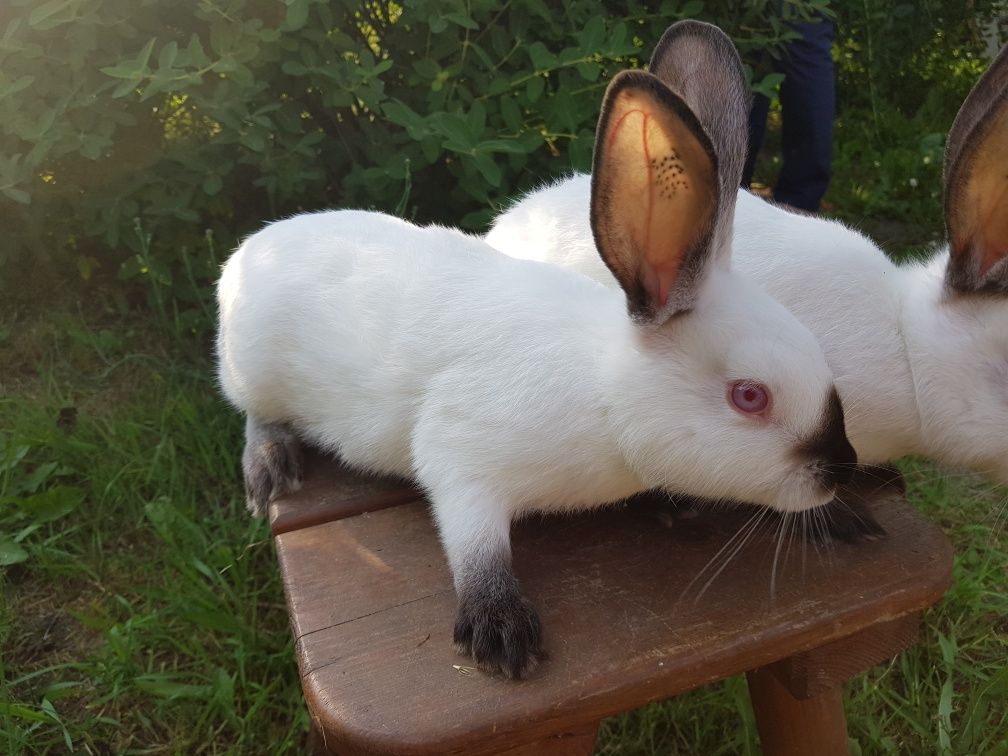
{"points": [[915, 55], [133, 130], [903, 69]]}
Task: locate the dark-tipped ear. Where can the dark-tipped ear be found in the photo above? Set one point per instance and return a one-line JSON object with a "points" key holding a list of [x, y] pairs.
{"points": [[700, 64], [976, 186], [654, 195]]}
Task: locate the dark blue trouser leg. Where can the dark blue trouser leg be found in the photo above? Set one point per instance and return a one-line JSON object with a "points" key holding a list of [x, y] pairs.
{"points": [[808, 104], [757, 129]]}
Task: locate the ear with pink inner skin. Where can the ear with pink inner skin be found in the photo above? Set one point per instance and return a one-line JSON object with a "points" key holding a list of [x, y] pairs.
{"points": [[976, 186], [654, 196]]}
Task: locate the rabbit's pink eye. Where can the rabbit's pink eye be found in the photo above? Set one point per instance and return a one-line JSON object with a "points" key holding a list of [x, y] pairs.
{"points": [[749, 397]]}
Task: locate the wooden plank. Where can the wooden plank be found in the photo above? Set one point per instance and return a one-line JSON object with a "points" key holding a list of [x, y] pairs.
{"points": [[331, 491], [812, 673], [343, 574], [627, 620], [568, 743]]}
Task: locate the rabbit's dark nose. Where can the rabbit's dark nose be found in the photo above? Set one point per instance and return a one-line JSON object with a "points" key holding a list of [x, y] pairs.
{"points": [[830, 451]]}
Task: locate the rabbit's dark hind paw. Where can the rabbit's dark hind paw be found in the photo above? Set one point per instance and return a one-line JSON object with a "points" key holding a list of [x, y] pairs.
{"points": [[271, 464]]}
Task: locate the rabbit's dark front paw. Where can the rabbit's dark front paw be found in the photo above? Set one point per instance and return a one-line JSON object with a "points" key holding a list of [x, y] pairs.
{"points": [[849, 522], [499, 629], [271, 464]]}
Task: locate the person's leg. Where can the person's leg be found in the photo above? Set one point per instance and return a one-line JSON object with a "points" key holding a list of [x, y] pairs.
{"points": [[757, 129], [807, 96]]}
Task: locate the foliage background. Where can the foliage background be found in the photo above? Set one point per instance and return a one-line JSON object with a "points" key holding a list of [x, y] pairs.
{"points": [[140, 610], [121, 119]]}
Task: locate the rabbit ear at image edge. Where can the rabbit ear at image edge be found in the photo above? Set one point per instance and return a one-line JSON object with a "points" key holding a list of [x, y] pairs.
{"points": [[976, 186], [654, 196]]}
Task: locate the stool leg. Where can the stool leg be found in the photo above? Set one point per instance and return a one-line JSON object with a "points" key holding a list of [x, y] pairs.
{"points": [[789, 726]]}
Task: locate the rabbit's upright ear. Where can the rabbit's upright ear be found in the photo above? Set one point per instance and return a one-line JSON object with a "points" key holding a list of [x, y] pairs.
{"points": [[976, 186], [654, 197], [700, 64]]}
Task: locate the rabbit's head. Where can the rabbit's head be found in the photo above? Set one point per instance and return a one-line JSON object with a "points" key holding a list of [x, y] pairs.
{"points": [[732, 381], [962, 379]]}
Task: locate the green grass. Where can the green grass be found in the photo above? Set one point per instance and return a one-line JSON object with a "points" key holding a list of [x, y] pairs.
{"points": [[147, 614]]}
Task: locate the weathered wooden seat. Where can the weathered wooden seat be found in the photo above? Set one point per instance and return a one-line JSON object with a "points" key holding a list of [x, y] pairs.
{"points": [[626, 618]]}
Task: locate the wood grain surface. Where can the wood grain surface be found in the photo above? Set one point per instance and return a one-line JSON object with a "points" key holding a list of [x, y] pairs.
{"points": [[628, 615], [811, 673]]}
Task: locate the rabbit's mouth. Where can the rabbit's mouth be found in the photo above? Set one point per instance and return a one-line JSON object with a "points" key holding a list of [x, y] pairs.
{"points": [[805, 488], [832, 475]]}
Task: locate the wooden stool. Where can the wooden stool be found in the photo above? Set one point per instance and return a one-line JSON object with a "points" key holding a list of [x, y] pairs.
{"points": [[372, 605]]}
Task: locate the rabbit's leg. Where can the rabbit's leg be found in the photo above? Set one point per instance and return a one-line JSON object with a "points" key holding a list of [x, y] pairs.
{"points": [[271, 463], [495, 624]]}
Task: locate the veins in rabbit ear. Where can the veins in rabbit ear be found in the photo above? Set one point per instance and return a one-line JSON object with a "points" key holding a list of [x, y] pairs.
{"points": [[669, 174], [495, 624]]}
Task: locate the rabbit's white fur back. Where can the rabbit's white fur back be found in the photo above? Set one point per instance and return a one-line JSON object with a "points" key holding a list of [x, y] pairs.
{"points": [[421, 352], [852, 297], [926, 371], [390, 382]]}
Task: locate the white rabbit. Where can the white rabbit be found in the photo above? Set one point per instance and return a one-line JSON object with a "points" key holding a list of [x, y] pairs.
{"points": [[505, 386], [920, 351]]}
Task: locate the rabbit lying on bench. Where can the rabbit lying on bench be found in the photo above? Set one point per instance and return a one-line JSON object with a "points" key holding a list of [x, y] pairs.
{"points": [[504, 386]]}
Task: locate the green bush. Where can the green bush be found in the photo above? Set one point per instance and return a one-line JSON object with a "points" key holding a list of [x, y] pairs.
{"points": [[133, 129], [903, 69], [916, 57]]}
